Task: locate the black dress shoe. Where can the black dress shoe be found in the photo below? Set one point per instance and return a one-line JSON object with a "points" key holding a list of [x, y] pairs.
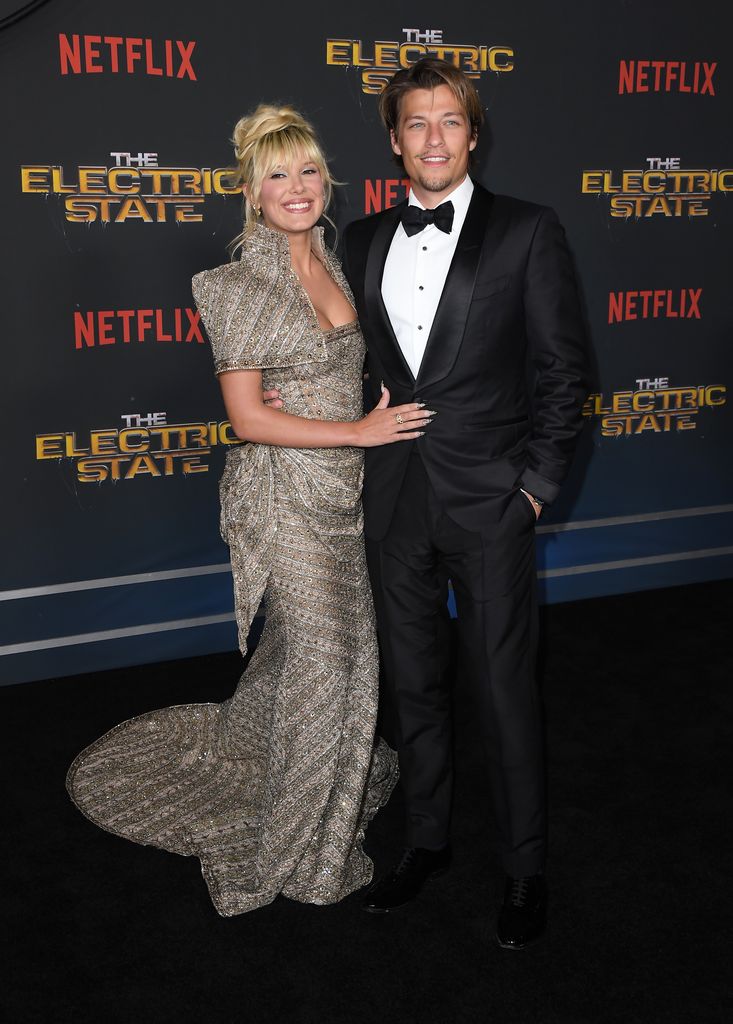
{"points": [[405, 881], [523, 914]]}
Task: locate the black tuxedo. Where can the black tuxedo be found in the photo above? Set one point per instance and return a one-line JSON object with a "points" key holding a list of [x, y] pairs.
{"points": [[505, 369]]}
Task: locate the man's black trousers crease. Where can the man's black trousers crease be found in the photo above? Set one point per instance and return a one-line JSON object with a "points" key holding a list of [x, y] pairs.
{"points": [[493, 576]]}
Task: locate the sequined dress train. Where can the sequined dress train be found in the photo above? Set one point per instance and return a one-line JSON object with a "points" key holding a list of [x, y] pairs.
{"points": [[272, 790]]}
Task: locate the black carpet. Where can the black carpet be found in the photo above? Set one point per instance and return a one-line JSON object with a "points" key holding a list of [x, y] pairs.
{"points": [[638, 697]]}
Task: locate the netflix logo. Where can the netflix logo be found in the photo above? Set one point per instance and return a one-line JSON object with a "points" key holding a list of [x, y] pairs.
{"points": [[653, 304], [135, 326], [94, 55], [383, 193], [666, 76]]}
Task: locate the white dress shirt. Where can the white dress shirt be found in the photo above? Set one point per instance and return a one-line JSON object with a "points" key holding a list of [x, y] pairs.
{"points": [[415, 272]]}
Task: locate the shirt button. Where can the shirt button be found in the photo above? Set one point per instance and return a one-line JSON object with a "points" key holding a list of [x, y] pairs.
{"points": [[420, 287], [419, 327], [425, 248]]}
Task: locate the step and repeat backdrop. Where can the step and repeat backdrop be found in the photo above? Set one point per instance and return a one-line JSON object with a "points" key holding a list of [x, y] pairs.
{"points": [[115, 192]]}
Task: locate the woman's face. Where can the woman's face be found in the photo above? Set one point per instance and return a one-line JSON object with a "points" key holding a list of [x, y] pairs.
{"points": [[291, 196]]}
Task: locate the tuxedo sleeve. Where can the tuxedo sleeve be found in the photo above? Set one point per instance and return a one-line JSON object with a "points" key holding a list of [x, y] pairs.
{"points": [[558, 351]]}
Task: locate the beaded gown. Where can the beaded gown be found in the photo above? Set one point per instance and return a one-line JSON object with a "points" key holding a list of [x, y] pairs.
{"points": [[272, 790]]}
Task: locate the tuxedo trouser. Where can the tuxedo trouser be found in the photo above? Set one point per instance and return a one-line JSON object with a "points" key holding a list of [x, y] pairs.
{"points": [[494, 581]]}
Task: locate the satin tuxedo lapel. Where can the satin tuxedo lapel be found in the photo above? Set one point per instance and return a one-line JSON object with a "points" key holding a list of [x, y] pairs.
{"points": [[381, 335], [446, 334]]}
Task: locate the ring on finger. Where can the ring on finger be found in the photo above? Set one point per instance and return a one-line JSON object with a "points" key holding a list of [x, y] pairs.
{"points": [[398, 417]]}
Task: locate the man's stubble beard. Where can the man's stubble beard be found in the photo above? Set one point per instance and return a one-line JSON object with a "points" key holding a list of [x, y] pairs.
{"points": [[434, 184]]}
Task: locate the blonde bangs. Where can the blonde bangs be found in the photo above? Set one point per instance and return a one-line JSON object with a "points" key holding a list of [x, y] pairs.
{"points": [[280, 148]]}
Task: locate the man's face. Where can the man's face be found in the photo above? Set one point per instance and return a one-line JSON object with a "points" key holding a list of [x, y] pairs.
{"points": [[434, 139]]}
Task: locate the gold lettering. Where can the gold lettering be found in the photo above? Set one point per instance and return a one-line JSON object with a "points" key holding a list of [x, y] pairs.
{"points": [[631, 181], [79, 212], [91, 471], [643, 401], [337, 51], [127, 444], [356, 58], [697, 207], [142, 465], [133, 208], [648, 422], [93, 180], [104, 442], [57, 182], [615, 426], [649, 179], [196, 436], [226, 434], [386, 55], [193, 464], [49, 446], [115, 185], [501, 58], [185, 214], [34, 179], [219, 184], [592, 182], [658, 204], [715, 394], [686, 422], [373, 82], [621, 401], [406, 49], [70, 444]]}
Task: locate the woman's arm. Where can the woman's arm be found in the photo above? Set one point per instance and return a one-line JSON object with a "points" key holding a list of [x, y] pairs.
{"points": [[253, 420]]}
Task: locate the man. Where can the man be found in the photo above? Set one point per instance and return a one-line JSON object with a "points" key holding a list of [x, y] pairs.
{"points": [[468, 303]]}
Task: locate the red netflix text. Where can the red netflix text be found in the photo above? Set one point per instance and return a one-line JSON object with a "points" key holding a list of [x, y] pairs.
{"points": [[129, 326], [382, 193], [93, 55], [680, 303], [666, 76]]}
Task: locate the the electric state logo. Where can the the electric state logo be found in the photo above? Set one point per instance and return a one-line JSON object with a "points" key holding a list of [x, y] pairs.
{"points": [[145, 446], [654, 406], [133, 188], [663, 188], [380, 60]]}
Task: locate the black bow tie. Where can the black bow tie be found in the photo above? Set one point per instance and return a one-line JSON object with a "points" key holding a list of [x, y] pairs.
{"points": [[414, 219]]}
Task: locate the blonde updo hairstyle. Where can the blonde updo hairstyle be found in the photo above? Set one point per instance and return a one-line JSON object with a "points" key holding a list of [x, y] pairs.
{"points": [[265, 139]]}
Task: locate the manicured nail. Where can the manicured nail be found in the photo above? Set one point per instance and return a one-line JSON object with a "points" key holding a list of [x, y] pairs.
{"points": [[381, 384], [421, 405]]}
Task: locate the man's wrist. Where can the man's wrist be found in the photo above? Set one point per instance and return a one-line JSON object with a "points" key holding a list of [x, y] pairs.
{"points": [[537, 503]]}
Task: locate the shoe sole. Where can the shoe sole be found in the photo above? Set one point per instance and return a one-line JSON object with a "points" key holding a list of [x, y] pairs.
{"points": [[398, 906]]}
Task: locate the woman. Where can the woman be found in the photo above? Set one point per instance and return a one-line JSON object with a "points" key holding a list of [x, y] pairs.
{"points": [[273, 789]]}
